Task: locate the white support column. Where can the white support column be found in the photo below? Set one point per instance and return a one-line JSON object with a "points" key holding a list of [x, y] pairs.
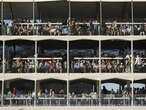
{"points": [[132, 19], [69, 9], [3, 57], [35, 91], [132, 59], [100, 16], [33, 13], [132, 93], [2, 18], [99, 56], [99, 93], [36, 55], [2, 93], [68, 95], [68, 74], [68, 65], [69, 16]]}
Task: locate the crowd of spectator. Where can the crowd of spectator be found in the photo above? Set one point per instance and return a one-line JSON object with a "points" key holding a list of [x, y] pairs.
{"points": [[18, 97], [107, 66], [72, 26], [52, 66], [28, 66], [140, 91], [116, 66], [126, 91], [117, 29], [118, 97], [57, 97], [85, 66], [139, 29], [60, 93], [20, 66], [14, 27], [139, 64], [77, 65], [119, 65]]}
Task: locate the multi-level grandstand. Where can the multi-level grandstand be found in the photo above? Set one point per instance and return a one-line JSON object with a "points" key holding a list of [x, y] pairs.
{"points": [[72, 54]]}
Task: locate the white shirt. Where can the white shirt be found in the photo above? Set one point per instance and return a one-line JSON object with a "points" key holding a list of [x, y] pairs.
{"points": [[138, 61]]}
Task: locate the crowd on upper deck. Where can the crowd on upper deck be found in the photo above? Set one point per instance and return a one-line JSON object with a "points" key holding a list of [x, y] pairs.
{"points": [[74, 26]]}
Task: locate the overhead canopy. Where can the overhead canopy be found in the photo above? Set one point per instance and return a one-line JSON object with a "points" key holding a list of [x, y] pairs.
{"points": [[19, 84], [21, 9], [116, 10], [53, 83], [52, 44], [141, 44], [80, 86], [85, 10], [116, 44], [116, 80], [142, 81], [84, 44], [52, 10], [138, 13]]}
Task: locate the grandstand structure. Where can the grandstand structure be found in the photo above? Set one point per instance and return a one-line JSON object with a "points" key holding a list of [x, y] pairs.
{"points": [[72, 54]]}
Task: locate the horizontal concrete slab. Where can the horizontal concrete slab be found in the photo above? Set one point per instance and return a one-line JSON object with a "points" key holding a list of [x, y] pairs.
{"points": [[75, 108]]}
